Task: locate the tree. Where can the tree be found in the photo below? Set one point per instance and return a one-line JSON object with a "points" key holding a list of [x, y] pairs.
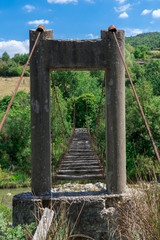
{"points": [[152, 74], [5, 57]]}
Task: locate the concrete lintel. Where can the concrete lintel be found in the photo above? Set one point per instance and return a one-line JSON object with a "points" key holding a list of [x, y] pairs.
{"points": [[79, 54]]}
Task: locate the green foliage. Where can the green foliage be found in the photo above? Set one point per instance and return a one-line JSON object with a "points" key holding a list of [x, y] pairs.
{"points": [[13, 180], [20, 58], [150, 40], [76, 83], [5, 57], [129, 57], [138, 141], [13, 67], [22, 232], [15, 135], [152, 74], [85, 100]]}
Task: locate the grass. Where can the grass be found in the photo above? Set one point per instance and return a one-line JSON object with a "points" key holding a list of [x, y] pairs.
{"points": [[8, 85], [13, 180], [61, 227], [139, 219]]}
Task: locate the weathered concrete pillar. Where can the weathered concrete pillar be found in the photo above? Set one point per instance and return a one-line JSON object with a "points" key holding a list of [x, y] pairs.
{"points": [[40, 116], [115, 116]]}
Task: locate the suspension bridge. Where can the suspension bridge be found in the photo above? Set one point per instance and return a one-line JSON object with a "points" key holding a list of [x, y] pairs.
{"points": [[79, 160]]}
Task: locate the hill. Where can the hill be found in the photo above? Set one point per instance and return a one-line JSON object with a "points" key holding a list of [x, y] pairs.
{"points": [[151, 40]]}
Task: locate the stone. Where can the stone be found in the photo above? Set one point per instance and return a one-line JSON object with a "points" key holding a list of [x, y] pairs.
{"points": [[98, 211], [67, 190], [59, 189], [100, 185], [68, 184]]}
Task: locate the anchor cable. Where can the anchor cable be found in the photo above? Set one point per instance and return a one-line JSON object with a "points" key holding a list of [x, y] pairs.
{"points": [[20, 79], [137, 99]]}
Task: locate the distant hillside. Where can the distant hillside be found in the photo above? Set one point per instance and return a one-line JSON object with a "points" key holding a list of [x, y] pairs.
{"points": [[151, 40]]}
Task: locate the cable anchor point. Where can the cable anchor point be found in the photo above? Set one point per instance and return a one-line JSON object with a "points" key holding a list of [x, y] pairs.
{"points": [[41, 28], [112, 28]]}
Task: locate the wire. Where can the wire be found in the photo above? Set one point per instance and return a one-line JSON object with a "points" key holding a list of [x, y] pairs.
{"points": [[139, 104], [19, 82]]}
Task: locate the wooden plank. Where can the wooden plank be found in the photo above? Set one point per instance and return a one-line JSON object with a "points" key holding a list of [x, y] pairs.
{"points": [[80, 161], [82, 177], [79, 171], [80, 167], [75, 157], [44, 225], [80, 164]]}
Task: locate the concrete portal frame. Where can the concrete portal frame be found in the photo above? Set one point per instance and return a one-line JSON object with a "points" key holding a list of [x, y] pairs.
{"points": [[99, 54]]}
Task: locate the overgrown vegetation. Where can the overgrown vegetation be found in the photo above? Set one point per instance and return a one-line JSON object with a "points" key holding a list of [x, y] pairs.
{"points": [[13, 66], [139, 219]]}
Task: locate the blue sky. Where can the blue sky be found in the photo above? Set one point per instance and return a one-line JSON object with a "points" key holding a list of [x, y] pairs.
{"points": [[73, 19]]}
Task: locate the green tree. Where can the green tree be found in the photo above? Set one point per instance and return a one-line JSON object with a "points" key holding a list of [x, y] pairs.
{"points": [[152, 74], [138, 141], [15, 136], [5, 57]]}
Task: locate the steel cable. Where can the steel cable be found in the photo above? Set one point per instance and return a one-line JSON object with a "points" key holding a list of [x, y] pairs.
{"points": [[19, 82], [137, 99]]}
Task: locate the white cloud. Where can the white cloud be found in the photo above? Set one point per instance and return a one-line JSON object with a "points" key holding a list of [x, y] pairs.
{"points": [[122, 8], [38, 22], [91, 36], [12, 47], [133, 31], [62, 1], [121, 1], [29, 8], [146, 11], [123, 15], [90, 1], [156, 13]]}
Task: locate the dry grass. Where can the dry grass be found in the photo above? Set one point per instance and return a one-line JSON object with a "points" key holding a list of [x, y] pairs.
{"points": [[61, 227], [8, 85], [140, 218]]}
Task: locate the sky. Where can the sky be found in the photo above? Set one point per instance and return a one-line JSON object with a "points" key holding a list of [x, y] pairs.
{"points": [[73, 19]]}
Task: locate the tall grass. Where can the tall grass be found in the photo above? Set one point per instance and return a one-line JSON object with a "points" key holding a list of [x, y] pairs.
{"points": [[139, 218]]}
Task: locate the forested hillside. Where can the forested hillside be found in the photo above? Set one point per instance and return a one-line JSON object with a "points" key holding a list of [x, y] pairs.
{"points": [[150, 40]]}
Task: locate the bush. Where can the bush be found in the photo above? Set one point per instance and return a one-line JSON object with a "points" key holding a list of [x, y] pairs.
{"points": [[15, 136]]}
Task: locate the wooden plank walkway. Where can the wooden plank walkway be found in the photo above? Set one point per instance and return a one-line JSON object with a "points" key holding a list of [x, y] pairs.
{"points": [[80, 162]]}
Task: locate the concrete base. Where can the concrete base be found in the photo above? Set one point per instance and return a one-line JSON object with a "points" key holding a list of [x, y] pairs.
{"points": [[98, 210]]}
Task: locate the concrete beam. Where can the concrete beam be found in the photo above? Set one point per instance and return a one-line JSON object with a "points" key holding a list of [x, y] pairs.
{"points": [[78, 55]]}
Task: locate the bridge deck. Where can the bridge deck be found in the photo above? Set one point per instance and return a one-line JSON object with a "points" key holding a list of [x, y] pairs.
{"points": [[80, 162]]}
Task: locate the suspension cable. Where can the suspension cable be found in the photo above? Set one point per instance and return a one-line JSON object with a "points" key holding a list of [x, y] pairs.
{"points": [[53, 85], [40, 29], [137, 99]]}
